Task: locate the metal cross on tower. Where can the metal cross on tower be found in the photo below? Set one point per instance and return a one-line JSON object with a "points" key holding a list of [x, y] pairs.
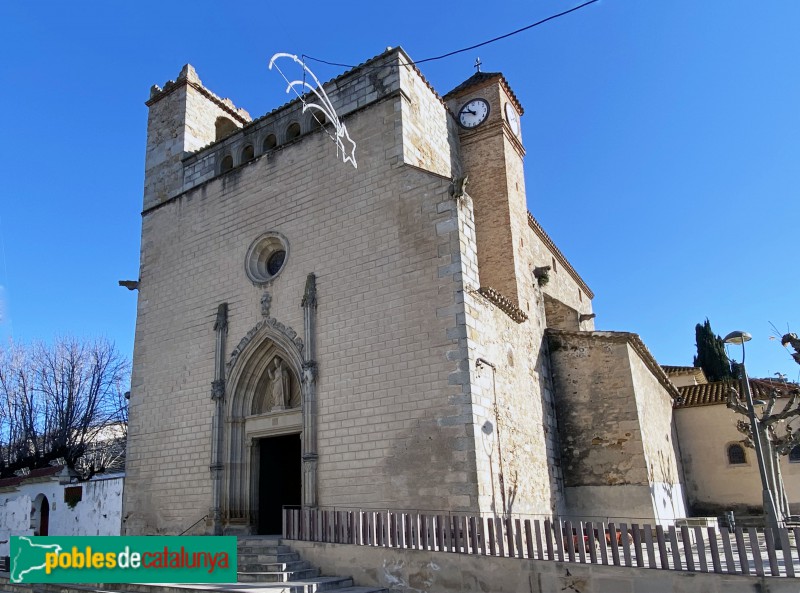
{"points": [[478, 64]]}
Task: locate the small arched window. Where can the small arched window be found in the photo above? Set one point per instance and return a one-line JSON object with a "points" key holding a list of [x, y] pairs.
{"points": [[794, 454], [736, 454], [224, 127], [318, 118], [293, 131], [248, 153], [226, 165], [270, 142]]}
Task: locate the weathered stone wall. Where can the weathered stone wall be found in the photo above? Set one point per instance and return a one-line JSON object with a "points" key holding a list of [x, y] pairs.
{"points": [[568, 298], [417, 571], [430, 133], [713, 485], [560, 316], [514, 422], [614, 416], [662, 453]]}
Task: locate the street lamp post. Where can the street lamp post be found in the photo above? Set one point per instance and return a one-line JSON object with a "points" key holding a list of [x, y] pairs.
{"points": [[770, 512]]}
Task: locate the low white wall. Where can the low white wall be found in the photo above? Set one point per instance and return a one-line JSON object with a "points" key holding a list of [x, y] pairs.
{"points": [[416, 571], [98, 513]]}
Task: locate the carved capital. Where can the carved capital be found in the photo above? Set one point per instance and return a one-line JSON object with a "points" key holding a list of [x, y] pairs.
{"points": [[218, 389], [310, 295], [309, 372]]}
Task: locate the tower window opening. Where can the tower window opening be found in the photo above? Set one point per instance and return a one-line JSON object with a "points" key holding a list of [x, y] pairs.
{"points": [[226, 165], [293, 131], [270, 142]]}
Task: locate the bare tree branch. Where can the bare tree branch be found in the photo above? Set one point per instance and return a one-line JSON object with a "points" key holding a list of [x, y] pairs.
{"points": [[58, 403]]}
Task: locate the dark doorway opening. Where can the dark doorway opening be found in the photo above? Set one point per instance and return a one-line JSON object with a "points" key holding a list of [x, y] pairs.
{"points": [[44, 518], [279, 480]]}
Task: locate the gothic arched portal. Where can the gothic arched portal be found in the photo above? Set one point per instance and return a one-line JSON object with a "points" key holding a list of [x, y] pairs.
{"points": [[266, 431]]}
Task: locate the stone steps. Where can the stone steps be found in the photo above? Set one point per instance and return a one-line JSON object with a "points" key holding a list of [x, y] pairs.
{"points": [[281, 576], [269, 549], [265, 561], [267, 566], [269, 558]]}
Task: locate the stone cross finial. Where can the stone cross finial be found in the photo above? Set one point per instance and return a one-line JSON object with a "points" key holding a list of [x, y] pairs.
{"points": [[477, 64]]}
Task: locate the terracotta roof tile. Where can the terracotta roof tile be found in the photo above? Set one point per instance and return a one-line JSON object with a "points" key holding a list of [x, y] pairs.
{"points": [[677, 370], [699, 375], [716, 393], [41, 472]]}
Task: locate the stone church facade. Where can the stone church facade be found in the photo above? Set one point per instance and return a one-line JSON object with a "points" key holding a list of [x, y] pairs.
{"points": [[399, 335]]}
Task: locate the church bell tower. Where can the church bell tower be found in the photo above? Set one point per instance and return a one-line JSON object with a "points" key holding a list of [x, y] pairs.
{"points": [[488, 114]]}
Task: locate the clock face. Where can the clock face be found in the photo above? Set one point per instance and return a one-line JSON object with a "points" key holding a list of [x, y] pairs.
{"points": [[473, 113], [513, 119]]}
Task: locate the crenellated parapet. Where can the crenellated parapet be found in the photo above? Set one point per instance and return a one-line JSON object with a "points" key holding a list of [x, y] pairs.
{"points": [[195, 136]]}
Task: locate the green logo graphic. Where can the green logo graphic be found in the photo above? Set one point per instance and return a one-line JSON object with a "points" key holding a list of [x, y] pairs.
{"points": [[109, 559]]}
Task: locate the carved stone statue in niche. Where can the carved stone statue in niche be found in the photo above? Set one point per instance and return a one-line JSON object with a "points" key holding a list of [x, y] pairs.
{"points": [[280, 385]]}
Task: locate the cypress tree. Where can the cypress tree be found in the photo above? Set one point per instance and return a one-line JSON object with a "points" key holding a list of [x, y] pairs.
{"points": [[711, 355]]}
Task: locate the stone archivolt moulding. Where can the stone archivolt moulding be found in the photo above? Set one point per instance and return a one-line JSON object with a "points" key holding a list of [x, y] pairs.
{"points": [[273, 323]]}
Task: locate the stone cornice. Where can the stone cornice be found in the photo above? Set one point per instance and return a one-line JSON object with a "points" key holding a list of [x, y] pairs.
{"points": [[503, 303]]}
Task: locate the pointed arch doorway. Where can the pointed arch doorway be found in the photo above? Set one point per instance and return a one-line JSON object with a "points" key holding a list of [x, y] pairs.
{"points": [[266, 437]]}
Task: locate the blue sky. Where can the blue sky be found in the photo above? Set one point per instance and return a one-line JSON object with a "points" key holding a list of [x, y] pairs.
{"points": [[662, 144]]}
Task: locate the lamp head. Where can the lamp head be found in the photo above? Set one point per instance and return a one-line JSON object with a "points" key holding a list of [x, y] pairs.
{"points": [[737, 337]]}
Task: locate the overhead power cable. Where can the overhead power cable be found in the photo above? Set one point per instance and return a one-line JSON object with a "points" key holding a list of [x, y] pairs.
{"points": [[477, 45]]}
